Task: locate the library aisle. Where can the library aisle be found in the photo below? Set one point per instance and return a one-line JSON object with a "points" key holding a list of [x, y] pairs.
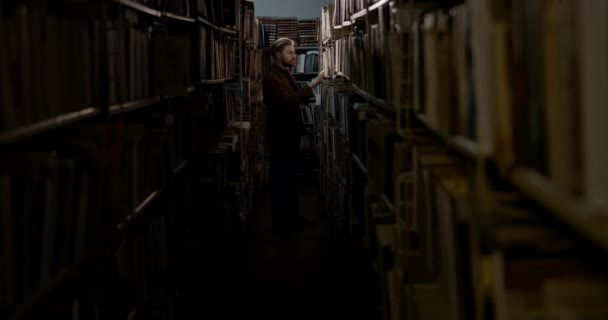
{"points": [[456, 160], [258, 274]]}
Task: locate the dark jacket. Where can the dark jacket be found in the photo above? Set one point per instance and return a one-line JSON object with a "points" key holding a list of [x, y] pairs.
{"points": [[283, 121]]}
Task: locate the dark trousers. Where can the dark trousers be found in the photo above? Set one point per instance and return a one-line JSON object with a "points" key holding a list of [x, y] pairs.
{"points": [[283, 188]]}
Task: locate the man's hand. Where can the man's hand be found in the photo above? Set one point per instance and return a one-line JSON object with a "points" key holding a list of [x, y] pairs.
{"points": [[317, 79]]}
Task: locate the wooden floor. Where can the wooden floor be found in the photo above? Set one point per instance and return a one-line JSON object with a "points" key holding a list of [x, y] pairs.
{"points": [[299, 276]]}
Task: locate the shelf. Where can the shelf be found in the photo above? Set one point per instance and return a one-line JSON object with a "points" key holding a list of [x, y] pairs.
{"points": [[307, 48], [358, 15], [346, 23], [132, 315], [62, 277], [572, 211], [190, 89], [216, 81], [179, 18], [466, 147], [142, 208], [360, 164], [213, 26], [338, 27], [228, 31], [140, 7], [461, 145], [30, 130], [207, 22], [378, 5], [369, 97], [134, 105], [387, 202], [305, 73]]}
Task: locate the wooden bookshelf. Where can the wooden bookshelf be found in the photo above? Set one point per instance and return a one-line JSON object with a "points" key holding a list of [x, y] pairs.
{"points": [[101, 164]]}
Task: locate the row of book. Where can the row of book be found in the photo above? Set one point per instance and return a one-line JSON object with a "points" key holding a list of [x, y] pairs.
{"points": [[307, 62], [252, 66], [220, 13], [251, 27], [49, 199], [493, 82], [38, 54], [307, 33], [137, 68], [303, 32], [371, 76], [217, 55], [535, 68]]}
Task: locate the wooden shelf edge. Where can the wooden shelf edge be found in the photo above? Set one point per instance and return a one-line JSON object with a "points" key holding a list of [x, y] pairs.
{"points": [[140, 210], [387, 202], [358, 15], [179, 18], [140, 7], [461, 145], [179, 168], [377, 5], [228, 31], [360, 164], [207, 22], [133, 105], [216, 81], [571, 210], [369, 97], [43, 126], [466, 147]]}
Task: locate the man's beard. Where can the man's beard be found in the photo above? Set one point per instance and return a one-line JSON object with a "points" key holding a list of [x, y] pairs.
{"points": [[291, 63]]}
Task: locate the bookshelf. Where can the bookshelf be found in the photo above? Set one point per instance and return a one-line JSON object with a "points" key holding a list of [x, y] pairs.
{"points": [[117, 142], [450, 145]]}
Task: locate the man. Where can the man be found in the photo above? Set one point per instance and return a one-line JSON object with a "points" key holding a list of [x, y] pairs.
{"points": [[284, 128]]}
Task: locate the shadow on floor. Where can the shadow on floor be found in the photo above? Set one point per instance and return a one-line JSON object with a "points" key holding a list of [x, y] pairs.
{"points": [[289, 277]]}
